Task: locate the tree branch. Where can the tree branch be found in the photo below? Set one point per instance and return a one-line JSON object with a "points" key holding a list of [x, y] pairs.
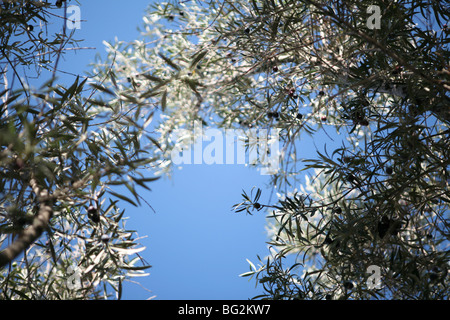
{"points": [[33, 232]]}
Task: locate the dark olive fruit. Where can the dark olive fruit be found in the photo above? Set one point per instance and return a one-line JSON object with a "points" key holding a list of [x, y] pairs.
{"points": [[171, 17], [364, 122], [324, 118], [299, 116], [338, 210], [321, 93], [328, 297], [247, 30], [93, 214], [291, 92], [397, 70], [383, 226], [105, 238], [351, 178], [59, 3], [181, 13], [328, 240], [348, 285], [30, 28], [20, 222], [386, 224], [256, 205], [436, 273], [389, 170], [273, 114], [346, 159], [275, 69]]}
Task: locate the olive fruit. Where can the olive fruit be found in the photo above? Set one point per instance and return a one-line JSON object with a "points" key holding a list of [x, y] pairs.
{"points": [[328, 240], [291, 92], [397, 70], [93, 214], [389, 170], [386, 224], [351, 178], [256, 205], [105, 238], [275, 69], [364, 122], [273, 114], [348, 285], [299, 116], [383, 226]]}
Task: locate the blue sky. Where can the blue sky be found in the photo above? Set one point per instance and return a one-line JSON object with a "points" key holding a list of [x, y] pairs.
{"points": [[195, 243]]}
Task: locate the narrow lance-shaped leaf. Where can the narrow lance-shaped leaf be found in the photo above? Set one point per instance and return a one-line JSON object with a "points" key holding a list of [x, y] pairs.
{"points": [[197, 58], [169, 62]]}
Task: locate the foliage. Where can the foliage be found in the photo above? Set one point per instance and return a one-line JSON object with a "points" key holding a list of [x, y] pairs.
{"points": [[315, 68], [64, 154]]}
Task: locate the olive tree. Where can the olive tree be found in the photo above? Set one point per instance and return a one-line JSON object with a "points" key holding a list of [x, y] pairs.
{"points": [[367, 219], [64, 154]]}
